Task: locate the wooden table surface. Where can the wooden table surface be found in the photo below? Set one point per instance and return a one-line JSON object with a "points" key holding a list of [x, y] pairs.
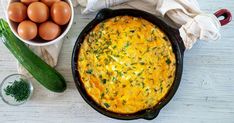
{"points": [[205, 95]]}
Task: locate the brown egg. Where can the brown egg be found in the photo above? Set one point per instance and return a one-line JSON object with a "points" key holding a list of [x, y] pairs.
{"points": [[27, 2], [49, 30], [49, 2], [27, 30], [17, 11], [60, 12], [38, 12]]}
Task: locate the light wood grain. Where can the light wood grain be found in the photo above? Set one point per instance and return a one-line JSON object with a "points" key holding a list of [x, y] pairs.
{"points": [[205, 95]]}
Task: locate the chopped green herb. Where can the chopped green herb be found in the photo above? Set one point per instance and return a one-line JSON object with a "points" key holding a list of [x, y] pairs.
{"points": [[140, 73], [104, 81], [114, 79], [168, 61], [127, 44], [168, 85], [119, 73], [132, 31], [108, 42], [90, 71], [95, 51], [124, 102], [106, 61], [161, 89], [19, 90], [106, 105], [112, 57], [102, 24], [161, 86], [107, 90], [142, 63], [165, 38], [138, 36], [154, 48], [142, 84], [102, 95], [81, 59], [133, 63], [115, 93], [118, 33]]}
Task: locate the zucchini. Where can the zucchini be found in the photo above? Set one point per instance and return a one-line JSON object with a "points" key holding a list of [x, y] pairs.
{"points": [[40, 70]]}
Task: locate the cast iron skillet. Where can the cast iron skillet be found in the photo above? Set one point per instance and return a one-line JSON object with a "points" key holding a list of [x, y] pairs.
{"points": [[178, 49]]}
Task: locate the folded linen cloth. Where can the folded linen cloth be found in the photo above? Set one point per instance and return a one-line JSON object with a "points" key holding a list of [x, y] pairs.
{"points": [[193, 23]]}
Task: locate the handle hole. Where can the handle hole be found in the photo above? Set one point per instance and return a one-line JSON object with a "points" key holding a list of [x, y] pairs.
{"points": [[222, 17]]}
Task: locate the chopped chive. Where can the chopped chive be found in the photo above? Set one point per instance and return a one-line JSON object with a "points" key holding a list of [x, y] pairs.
{"points": [[106, 105], [118, 33], [124, 102], [132, 31], [114, 79], [154, 48], [106, 61], [168, 61], [108, 42], [133, 63], [115, 93], [119, 73], [142, 63], [104, 81], [90, 71], [100, 76], [165, 38], [102, 95], [142, 84], [140, 73], [107, 90], [127, 45]]}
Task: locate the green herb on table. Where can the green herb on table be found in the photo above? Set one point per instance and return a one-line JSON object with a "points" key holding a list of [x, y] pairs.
{"points": [[19, 90]]}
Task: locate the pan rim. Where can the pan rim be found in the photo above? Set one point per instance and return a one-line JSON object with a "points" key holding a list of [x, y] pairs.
{"points": [[178, 50]]}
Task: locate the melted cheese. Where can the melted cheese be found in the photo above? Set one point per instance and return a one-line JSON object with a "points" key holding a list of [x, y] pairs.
{"points": [[126, 64]]}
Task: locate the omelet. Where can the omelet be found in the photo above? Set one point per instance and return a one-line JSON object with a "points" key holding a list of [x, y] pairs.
{"points": [[126, 64]]}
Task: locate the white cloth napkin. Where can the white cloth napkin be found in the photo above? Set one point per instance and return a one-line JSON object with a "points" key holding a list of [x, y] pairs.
{"points": [[193, 23]]}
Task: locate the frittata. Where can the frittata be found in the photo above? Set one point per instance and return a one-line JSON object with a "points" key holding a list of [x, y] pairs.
{"points": [[126, 64]]}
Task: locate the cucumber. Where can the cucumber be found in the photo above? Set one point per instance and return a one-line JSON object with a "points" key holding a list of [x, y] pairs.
{"points": [[40, 70]]}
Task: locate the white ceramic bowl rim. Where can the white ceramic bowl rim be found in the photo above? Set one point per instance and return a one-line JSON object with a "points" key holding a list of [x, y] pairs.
{"points": [[58, 39]]}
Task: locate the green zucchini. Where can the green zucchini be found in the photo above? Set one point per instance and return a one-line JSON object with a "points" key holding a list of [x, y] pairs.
{"points": [[40, 70]]}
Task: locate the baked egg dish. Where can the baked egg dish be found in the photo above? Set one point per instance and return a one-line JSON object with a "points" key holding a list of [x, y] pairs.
{"points": [[126, 64]]}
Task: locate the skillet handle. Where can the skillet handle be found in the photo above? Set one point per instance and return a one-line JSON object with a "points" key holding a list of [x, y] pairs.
{"points": [[104, 14], [224, 13], [150, 114]]}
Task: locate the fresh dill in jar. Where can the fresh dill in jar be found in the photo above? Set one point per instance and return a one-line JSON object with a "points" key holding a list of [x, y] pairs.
{"points": [[19, 90]]}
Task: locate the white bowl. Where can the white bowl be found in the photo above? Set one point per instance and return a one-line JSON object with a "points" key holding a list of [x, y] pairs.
{"points": [[39, 41]]}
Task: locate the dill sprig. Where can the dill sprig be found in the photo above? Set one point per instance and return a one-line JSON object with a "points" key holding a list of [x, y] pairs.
{"points": [[19, 90]]}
